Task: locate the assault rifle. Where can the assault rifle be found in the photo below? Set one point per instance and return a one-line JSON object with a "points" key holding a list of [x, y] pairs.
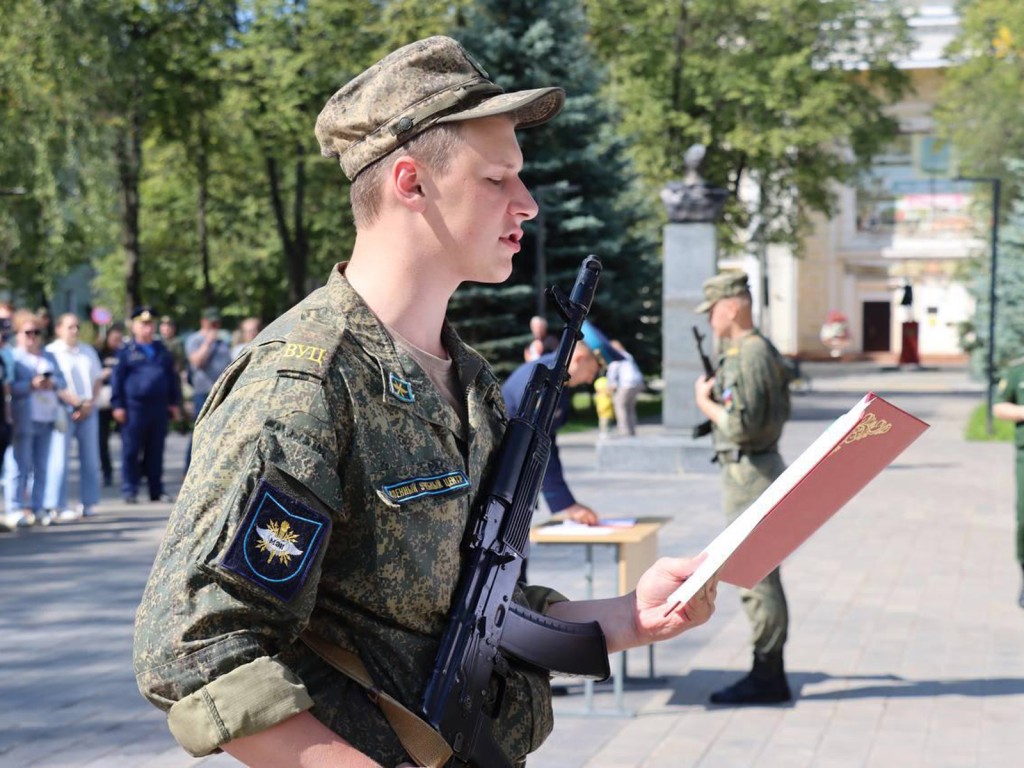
{"points": [[487, 631], [703, 428]]}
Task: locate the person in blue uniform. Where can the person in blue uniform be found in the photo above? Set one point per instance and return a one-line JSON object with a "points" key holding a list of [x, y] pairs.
{"points": [[583, 368], [146, 395]]}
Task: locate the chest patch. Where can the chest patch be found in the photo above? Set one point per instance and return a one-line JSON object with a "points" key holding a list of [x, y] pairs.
{"points": [[405, 491], [277, 542]]}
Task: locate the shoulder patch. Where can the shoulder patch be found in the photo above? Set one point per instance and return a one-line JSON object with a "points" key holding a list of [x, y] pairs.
{"points": [[308, 348], [277, 542]]}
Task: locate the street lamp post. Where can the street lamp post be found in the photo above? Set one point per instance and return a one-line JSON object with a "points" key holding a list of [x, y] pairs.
{"points": [[990, 364]]}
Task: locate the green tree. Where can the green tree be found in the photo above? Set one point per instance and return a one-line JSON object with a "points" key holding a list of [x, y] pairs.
{"points": [[979, 109], [578, 169], [54, 213], [1009, 325], [786, 94]]}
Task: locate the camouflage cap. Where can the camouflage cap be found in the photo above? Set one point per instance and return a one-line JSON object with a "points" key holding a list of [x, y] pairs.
{"points": [[422, 84], [732, 282]]}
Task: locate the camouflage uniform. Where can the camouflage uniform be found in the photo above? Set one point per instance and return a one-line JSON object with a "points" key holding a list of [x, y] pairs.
{"points": [[1011, 390], [330, 489], [751, 385]]}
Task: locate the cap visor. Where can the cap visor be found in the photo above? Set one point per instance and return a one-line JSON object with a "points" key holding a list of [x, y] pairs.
{"points": [[703, 307], [528, 108]]}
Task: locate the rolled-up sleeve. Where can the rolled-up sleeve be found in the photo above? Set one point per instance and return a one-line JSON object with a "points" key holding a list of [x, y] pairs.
{"points": [[236, 577]]}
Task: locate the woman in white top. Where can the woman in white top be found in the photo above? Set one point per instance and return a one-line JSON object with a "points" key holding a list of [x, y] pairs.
{"points": [[36, 393], [83, 373]]}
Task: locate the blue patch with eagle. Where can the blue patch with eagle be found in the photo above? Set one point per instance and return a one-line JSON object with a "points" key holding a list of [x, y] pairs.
{"points": [[278, 541]]}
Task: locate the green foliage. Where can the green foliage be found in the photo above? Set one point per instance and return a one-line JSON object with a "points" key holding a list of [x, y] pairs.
{"points": [[788, 94], [980, 104], [577, 168], [61, 218], [1009, 325], [1002, 431]]}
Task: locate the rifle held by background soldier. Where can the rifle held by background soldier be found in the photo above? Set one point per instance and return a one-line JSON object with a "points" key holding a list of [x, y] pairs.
{"points": [[703, 428]]}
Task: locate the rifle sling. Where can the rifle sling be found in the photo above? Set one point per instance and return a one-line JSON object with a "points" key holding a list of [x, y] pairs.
{"points": [[424, 745]]}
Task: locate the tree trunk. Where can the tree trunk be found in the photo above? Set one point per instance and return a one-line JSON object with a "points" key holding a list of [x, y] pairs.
{"points": [[294, 248], [203, 172], [128, 149]]}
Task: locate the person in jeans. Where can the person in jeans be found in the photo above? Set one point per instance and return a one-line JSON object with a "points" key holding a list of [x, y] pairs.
{"points": [[36, 393], [83, 373]]}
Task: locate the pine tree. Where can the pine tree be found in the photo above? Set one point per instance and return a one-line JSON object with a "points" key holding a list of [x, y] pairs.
{"points": [[578, 171], [1009, 326]]}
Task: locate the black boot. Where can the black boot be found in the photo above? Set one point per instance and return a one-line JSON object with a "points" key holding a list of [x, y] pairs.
{"points": [[764, 684]]}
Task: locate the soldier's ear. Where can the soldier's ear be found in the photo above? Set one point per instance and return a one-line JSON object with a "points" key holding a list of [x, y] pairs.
{"points": [[406, 183]]}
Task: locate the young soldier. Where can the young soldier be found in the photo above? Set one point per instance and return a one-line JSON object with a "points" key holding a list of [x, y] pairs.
{"points": [[747, 402], [1010, 406], [311, 507]]}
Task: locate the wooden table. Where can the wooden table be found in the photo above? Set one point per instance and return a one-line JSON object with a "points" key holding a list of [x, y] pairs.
{"points": [[636, 549]]}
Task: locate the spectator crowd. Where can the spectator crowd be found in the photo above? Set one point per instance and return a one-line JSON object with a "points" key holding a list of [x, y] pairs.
{"points": [[61, 394]]}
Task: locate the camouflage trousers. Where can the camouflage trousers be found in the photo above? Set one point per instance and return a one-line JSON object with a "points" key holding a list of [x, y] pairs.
{"points": [[765, 605]]}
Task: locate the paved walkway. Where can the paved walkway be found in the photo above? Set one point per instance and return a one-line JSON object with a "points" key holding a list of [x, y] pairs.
{"points": [[905, 649]]}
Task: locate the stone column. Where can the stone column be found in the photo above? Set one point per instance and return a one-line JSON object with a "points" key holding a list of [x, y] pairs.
{"points": [[689, 260], [690, 257]]}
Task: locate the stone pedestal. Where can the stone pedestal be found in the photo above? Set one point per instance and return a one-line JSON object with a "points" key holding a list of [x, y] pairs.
{"points": [[689, 259], [667, 453]]}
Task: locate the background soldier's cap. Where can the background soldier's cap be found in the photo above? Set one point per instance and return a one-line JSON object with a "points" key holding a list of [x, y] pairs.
{"points": [[212, 314], [143, 313], [722, 286], [422, 84]]}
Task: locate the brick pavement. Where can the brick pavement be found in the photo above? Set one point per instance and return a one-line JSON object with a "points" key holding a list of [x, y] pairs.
{"points": [[905, 638]]}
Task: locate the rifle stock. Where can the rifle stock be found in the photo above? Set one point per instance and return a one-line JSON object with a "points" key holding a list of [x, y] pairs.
{"points": [[486, 630]]}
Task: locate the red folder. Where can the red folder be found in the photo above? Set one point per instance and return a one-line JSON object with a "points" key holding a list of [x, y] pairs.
{"points": [[845, 458]]}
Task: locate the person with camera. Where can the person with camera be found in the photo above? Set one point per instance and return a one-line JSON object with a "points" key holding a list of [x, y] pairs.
{"points": [[37, 391]]}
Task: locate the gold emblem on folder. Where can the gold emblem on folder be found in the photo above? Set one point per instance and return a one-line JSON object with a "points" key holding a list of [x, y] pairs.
{"points": [[869, 426]]}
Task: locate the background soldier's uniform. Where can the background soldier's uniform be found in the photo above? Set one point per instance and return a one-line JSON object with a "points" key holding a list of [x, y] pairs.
{"points": [[751, 385], [330, 489], [1011, 390]]}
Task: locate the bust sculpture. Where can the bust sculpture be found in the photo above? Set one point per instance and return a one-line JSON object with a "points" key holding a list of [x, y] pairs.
{"points": [[693, 199]]}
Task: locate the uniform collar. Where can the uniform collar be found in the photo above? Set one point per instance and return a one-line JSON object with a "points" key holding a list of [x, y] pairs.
{"points": [[404, 384]]}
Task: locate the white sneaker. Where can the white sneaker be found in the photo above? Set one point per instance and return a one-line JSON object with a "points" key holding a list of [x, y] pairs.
{"points": [[87, 511], [67, 515], [27, 519], [45, 517]]}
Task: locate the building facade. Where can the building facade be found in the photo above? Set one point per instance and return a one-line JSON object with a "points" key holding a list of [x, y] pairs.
{"points": [[891, 261]]}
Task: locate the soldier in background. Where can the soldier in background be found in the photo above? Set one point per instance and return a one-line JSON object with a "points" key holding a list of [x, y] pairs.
{"points": [[747, 402], [338, 458], [1010, 406]]}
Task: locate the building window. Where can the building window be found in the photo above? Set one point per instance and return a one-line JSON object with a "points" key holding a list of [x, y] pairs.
{"points": [[909, 191]]}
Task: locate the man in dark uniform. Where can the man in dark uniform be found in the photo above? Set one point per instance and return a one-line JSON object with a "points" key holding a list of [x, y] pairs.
{"points": [[314, 550], [146, 393], [583, 367], [1010, 406], [747, 402]]}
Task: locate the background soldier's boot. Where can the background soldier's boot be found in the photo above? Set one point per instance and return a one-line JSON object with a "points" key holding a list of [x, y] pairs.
{"points": [[764, 684]]}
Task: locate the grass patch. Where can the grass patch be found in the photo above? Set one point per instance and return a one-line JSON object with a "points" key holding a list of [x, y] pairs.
{"points": [[1002, 431]]}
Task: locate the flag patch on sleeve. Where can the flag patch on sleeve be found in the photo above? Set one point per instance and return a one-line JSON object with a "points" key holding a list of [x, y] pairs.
{"points": [[278, 541]]}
